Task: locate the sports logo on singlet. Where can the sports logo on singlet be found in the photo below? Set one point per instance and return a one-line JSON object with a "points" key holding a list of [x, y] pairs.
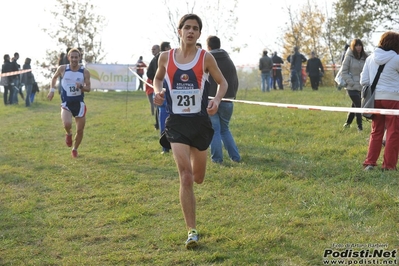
{"points": [[186, 99], [184, 77]]}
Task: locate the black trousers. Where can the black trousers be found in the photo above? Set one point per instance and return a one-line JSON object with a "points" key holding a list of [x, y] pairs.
{"points": [[356, 102], [314, 81]]}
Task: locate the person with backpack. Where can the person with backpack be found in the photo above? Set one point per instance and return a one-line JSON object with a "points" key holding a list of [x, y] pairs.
{"points": [[386, 97]]}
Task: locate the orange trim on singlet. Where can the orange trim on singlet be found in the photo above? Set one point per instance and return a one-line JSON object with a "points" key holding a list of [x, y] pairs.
{"points": [[198, 68]]}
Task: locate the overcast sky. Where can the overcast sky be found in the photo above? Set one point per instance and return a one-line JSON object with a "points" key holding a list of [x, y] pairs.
{"points": [[133, 28]]}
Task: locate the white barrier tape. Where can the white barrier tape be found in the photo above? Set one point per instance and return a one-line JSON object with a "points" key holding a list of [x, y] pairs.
{"points": [[134, 67], [276, 66], [322, 108], [137, 75], [307, 107], [14, 73]]}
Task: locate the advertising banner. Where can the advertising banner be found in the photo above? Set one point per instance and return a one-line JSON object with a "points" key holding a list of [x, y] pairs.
{"points": [[112, 77]]}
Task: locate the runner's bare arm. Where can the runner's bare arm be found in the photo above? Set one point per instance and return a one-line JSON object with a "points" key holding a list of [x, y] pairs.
{"points": [[58, 73], [158, 79]]}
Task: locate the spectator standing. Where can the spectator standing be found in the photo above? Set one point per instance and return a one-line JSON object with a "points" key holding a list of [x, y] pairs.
{"points": [[65, 60], [342, 60], [296, 59], [27, 79], [61, 58], [148, 87], [81, 55], [161, 109], [7, 80], [352, 66], [313, 69], [153, 66], [188, 128], [386, 97], [16, 80], [277, 76], [140, 66], [265, 67], [35, 89], [152, 69], [221, 120]]}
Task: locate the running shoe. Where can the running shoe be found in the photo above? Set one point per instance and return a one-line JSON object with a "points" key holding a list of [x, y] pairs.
{"points": [[368, 168], [68, 140], [74, 153], [192, 240]]}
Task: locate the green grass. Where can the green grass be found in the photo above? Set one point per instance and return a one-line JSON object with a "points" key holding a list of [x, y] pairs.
{"points": [[299, 189]]}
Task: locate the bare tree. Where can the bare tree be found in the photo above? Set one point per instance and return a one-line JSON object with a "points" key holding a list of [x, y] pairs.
{"points": [[219, 18], [77, 25], [292, 36]]}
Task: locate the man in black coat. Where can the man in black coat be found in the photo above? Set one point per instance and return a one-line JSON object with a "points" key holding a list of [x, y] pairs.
{"points": [[296, 59], [277, 74], [314, 69]]}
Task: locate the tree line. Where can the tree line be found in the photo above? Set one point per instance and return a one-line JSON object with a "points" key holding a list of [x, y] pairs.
{"points": [[325, 31]]}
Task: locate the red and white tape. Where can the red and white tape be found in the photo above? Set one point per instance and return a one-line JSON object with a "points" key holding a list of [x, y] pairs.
{"points": [[14, 73], [307, 107], [322, 108]]}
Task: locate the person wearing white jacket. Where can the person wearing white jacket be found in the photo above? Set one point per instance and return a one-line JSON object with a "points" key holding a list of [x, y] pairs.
{"points": [[386, 97]]}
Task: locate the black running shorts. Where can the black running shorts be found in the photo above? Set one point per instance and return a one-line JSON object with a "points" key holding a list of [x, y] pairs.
{"points": [[78, 109], [194, 131]]}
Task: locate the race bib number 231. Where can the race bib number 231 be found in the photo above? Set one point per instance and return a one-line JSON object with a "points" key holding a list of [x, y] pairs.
{"points": [[186, 101]]}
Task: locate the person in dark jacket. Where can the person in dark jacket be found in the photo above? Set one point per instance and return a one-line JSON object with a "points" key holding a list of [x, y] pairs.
{"points": [[265, 67], [153, 66], [17, 88], [152, 69], [313, 68], [7, 80], [160, 111], [27, 79], [296, 59], [277, 74], [220, 120], [149, 91]]}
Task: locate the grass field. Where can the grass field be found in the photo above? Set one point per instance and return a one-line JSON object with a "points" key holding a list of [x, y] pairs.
{"points": [[299, 190]]}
